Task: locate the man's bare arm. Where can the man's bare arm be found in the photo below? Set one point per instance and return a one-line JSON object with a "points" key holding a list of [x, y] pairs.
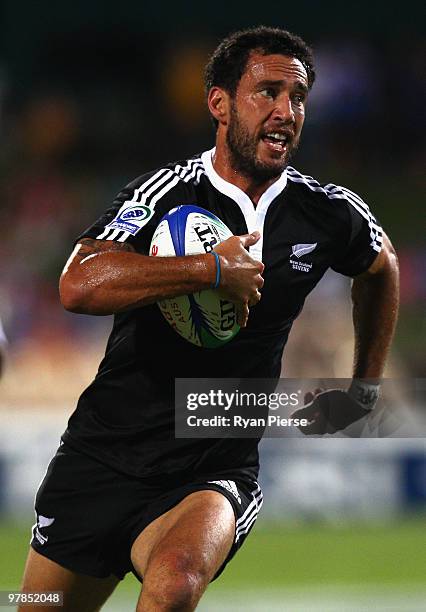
{"points": [[104, 277], [375, 297]]}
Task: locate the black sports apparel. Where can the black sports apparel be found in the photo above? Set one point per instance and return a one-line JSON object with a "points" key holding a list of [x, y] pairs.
{"points": [[125, 418], [88, 515]]}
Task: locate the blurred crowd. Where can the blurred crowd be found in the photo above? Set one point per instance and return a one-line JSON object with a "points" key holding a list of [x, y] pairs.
{"points": [[90, 120]]}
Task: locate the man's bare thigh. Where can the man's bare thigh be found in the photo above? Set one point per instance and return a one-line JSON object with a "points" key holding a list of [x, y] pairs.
{"points": [[82, 593], [203, 521]]}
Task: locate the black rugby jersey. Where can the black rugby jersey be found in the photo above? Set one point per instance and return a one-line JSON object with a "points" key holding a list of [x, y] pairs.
{"points": [[125, 418]]}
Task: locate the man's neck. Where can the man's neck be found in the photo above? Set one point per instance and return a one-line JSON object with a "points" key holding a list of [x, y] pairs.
{"points": [[222, 164]]}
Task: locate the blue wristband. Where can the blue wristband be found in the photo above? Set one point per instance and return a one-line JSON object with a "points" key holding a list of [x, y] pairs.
{"points": [[217, 280]]}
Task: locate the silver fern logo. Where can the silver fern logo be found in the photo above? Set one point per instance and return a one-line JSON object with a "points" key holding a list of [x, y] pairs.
{"points": [[298, 250], [303, 249], [42, 523]]}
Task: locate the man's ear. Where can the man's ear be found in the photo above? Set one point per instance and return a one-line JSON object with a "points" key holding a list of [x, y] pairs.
{"points": [[219, 103]]}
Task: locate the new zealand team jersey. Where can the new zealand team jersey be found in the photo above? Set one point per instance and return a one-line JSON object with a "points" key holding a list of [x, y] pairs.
{"points": [[125, 418]]}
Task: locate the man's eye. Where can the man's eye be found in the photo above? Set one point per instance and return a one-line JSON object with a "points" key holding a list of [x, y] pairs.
{"points": [[299, 98], [268, 92]]}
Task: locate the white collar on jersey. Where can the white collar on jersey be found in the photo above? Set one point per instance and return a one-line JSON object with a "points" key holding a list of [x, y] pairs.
{"points": [[254, 217]]}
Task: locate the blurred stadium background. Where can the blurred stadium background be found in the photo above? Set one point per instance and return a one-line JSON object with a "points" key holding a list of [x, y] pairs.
{"points": [[93, 94]]}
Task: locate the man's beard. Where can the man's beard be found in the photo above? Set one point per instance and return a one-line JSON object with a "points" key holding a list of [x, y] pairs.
{"points": [[243, 149]]}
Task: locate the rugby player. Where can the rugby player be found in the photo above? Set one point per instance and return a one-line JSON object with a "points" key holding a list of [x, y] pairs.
{"points": [[122, 494]]}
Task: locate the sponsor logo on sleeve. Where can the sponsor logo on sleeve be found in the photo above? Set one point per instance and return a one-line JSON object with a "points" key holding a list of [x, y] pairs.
{"points": [[132, 218]]}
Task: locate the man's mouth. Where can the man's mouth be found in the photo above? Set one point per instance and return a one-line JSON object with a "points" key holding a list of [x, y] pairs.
{"points": [[277, 141]]}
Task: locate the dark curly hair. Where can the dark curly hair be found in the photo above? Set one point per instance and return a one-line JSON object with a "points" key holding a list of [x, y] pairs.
{"points": [[228, 62]]}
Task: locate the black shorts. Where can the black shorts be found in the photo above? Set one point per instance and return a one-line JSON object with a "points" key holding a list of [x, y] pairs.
{"points": [[89, 515]]}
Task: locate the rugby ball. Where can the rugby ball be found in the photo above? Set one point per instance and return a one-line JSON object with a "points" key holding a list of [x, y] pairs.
{"points": [[203, 318]]}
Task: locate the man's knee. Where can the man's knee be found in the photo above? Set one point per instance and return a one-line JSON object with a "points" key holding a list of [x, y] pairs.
{"points": [[175, 581], [180, 591]]}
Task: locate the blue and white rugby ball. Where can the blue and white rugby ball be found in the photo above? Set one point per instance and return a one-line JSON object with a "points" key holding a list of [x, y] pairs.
{"points": [[203, 318]]}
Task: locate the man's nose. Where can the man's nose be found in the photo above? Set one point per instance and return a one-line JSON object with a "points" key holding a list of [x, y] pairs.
{"points": [[283, 109]]}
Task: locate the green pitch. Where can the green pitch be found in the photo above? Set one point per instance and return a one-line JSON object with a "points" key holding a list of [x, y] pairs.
{"points": [[280, 557]]}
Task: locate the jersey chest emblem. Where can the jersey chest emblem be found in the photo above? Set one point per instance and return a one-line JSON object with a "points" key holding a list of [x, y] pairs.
{"points": [[298, 251]]}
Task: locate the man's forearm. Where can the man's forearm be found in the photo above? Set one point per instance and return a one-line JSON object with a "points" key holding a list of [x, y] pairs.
{"points": [[110, 282], [104, 277], [375, 299]]}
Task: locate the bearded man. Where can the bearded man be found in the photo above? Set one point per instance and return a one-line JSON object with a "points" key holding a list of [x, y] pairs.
{"points": [[122, 493]]}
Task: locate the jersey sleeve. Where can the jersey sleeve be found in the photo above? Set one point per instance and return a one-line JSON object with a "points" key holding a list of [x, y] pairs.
{"points": [[365, 235], [135, 212]]}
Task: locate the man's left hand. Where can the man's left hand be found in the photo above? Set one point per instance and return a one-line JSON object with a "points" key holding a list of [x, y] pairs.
{"points": [[328, 412]]}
